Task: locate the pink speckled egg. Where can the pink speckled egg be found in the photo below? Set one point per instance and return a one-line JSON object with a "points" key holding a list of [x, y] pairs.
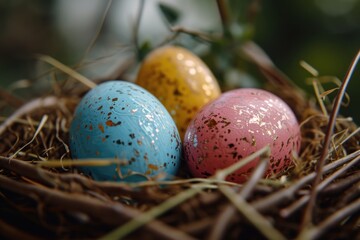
{"points": [[239, 123]]}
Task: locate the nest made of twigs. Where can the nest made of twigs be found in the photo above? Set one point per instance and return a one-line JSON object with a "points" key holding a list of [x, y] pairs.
{"points": [[43, 195]]}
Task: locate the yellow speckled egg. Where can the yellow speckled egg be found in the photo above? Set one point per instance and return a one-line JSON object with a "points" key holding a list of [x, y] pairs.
{"points": [[180, 80]]}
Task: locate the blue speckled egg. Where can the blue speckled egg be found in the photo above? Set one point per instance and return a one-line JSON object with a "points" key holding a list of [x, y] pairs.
{"points": [[120, 120]]}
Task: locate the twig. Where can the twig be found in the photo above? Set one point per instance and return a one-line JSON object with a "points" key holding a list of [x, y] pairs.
{"points": [[150, 215], [340, 185], [307, 217], [222, 222], [224, 218], [174, 201], [50, 179], [68, 201], [196, 227], [255, 177], [294, 206], [350, 194], [338, 173], [304, 199], [110, 213], [200, 35], [259, 221], [316, 231], [64, 181], [224, 12], [176, 30], [288, 193]]}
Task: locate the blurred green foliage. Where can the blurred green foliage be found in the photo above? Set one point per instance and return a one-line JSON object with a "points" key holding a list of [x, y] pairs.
{"points": [[25, 29], [324, 33]]}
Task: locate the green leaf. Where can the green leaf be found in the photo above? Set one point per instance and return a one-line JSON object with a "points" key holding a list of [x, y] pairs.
{"points": [[171, 15], [144, 49]]}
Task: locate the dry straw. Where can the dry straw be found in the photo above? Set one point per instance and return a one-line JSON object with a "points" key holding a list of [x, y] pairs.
{"points": [[45, 197], [42, 195]]}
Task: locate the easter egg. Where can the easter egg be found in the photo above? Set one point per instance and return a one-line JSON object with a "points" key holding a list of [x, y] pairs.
{"points": [[180, 80], [237, 124], [121, 121]]}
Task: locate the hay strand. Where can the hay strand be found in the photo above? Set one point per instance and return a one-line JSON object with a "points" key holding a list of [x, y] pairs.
{"points": [[55, 63], [174, 201], [40, 182]]}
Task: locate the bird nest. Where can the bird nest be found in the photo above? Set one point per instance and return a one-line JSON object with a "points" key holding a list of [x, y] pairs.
{"points": [[43, 195]]}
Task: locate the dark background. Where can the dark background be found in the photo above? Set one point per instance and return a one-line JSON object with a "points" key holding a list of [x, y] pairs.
{"points": [[324, 33]]}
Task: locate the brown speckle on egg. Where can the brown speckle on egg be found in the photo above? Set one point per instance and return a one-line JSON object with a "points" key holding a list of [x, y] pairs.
{"points": [[236, 125], [120, 120], [101, 127], [180, 80], [110, 123]]}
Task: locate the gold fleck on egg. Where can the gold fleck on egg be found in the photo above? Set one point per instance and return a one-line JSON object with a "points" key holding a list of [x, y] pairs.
{"points": [[237, 124], [120, 120], [180, 80]]}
